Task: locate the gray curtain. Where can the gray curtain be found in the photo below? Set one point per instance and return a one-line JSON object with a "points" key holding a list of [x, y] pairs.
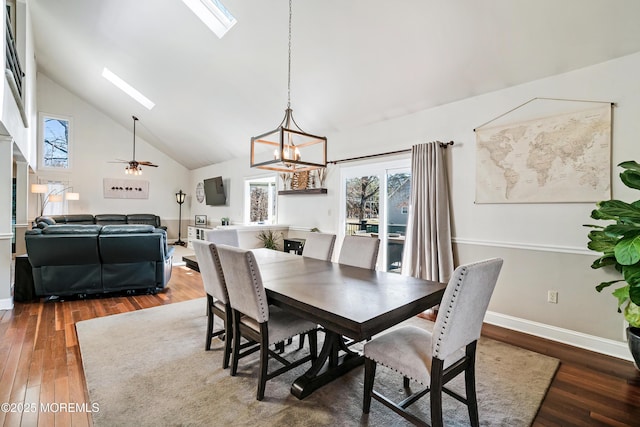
{"points": [[427, 250]]}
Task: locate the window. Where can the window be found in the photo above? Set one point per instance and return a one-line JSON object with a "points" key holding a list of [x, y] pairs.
{"points": [[375, 202], [213, 14], [56, 142], [260, 200]]}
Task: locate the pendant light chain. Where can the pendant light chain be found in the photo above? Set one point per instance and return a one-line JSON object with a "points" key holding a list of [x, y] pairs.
{"points": [[287, 157], [289, 70]]}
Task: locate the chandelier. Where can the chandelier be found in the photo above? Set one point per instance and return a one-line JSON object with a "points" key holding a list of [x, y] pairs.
{"points": [[288, 148]]}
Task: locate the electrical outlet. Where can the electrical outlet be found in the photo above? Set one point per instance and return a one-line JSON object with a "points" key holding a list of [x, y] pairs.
{"points": [[552, 297]]}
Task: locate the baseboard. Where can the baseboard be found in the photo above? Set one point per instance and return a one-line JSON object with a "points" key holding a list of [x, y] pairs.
{"points": [[577, 339], [6, 304]]}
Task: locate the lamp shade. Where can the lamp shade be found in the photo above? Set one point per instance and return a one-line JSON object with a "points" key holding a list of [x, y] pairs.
{"points": [[180, 196], [39, 188], [55, 198], [72, 196]]}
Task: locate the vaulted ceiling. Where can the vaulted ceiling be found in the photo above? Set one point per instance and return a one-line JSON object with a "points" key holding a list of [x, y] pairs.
{"points": [[353, 61]]}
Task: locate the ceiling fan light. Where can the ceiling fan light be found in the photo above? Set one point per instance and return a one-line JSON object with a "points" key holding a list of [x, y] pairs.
{"points": [[133, 167]]}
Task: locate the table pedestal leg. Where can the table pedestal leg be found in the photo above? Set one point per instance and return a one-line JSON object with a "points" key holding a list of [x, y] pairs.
{"points": [[328, 366]]}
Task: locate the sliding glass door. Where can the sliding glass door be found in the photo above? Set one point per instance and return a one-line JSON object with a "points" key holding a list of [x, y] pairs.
{"points": [[375, 203]]}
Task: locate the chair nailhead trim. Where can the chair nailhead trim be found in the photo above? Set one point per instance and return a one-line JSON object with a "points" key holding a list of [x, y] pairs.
{"points": [[254, 279], [396, 370], [445, 321]]}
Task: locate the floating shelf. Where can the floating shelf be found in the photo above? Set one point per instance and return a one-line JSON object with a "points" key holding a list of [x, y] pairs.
{"points": [[306, 191]]}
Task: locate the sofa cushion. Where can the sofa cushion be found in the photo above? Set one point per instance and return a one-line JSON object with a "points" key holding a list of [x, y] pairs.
{"points": [[105, 219], [76, 219], [47, 220], [150, 219], [72, 229], [127, 229], [58, 218], [63, 245]]}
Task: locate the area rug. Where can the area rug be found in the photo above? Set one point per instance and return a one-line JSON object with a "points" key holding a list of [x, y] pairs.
{"points": [[149, 368]]}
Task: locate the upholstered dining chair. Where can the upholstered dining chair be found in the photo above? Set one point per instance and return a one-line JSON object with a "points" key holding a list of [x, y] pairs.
{"points": [[217, 296], [359, 251], [435, 358], [319, 246], [223, 237], [254, 320]]}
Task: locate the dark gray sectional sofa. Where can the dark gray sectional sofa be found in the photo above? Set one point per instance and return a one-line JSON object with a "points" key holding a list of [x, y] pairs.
{"points": [[81, 258], [102, 219]]}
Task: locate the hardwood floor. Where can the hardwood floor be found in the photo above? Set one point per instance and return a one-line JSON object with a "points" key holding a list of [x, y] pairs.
{"points": [[40, 363]]}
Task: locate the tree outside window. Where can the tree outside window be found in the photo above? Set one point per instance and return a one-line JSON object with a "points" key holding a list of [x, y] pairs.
{"points": [[55, 146], [260, 200]]}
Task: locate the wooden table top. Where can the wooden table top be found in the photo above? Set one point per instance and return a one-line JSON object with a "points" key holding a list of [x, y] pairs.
{"points": [[351, 301]]}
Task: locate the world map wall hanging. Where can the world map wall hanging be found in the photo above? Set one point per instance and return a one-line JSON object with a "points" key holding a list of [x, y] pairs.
{"points": [[560, 158]]}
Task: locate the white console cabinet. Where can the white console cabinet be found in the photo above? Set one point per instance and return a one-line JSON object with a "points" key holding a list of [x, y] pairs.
{"points": [[195, 233], [247, 234]]}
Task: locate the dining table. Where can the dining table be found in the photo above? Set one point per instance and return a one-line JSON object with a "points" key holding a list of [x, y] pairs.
{"points": [[347, 302]]}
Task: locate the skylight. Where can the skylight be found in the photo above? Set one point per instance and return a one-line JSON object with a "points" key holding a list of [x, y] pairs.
{"points": [[213, 14], [127, 88]]}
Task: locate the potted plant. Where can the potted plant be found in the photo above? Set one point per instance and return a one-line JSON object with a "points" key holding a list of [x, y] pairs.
{"points": [[269, 239], [619, 243]]}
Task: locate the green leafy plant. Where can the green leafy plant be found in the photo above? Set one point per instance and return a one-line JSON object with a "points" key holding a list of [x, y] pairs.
{"points": [[619, 243], [269, 239]]}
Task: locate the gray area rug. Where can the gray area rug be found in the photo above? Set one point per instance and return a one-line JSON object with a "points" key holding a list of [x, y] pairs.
{"points": [[149, 368]]}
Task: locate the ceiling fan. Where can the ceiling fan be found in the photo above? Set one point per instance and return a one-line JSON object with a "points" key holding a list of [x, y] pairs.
{"points": [[134, 166]]}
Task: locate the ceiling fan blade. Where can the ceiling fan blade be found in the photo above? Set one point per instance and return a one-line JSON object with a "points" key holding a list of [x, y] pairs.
{"points": [[148, 164], [118, 161]]}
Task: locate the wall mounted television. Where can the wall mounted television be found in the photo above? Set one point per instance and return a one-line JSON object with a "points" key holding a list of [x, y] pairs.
{"points": [[214, 192]]}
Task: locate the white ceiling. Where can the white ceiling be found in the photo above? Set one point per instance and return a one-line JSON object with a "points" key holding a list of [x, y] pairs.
{"points": [[353, 61]]}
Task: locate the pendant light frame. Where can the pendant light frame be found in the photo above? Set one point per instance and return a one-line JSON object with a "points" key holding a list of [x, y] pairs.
{"points": [[288, 148]]}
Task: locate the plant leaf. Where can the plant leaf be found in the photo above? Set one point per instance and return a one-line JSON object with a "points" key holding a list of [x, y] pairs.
{"points": [[603, 285], [632, 314], [603, 261], [631, 179], [618, 230], [630, 165], [616, 209], [601, 242], [622, 294], [627, 250]]}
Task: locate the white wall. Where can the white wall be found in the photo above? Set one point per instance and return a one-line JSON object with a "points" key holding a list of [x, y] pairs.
{"points": [[544, 245], [96, 140], [16, 140]]}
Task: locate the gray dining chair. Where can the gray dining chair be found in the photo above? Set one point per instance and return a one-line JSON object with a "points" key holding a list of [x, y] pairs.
{"points": [[223, 237], [435, 358], [217, 296], [319, 246], [254, 319], [359, 251]]}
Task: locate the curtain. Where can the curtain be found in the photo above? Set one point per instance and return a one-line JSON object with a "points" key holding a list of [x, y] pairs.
{"points": [[427, 251]]}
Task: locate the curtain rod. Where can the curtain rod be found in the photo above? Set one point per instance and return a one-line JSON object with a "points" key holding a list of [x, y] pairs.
{"points": [[389, 153]]}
